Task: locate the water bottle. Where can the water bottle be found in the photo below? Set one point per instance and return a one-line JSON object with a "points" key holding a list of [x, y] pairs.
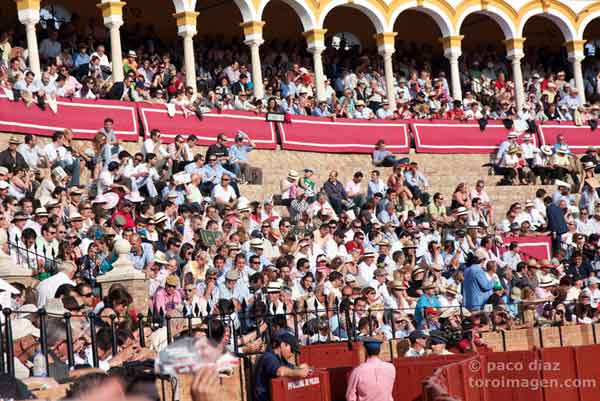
{"points": [[39, 364]]}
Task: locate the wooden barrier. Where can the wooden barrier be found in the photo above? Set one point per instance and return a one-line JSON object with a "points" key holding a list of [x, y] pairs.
{"points": [[544, 337], [231, 388], [52, 394]]}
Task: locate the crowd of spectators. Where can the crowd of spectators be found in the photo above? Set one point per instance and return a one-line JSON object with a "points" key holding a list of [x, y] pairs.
{"points": [[379, 254], [76, 65], [374, 253]]}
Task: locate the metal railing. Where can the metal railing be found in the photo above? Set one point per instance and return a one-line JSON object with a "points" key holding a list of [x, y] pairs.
{"points": [[258, 319], [33, 255]]}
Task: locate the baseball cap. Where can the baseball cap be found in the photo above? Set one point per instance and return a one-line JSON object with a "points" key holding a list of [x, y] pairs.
{"points": [[415, 335], [291, 341]]}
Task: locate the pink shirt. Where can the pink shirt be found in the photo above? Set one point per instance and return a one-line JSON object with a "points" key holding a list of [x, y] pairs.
{"points": [[372, 380], [165, 301], [352, 188]]}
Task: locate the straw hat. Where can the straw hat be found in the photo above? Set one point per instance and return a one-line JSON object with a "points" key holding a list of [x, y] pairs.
{"points": [[293, 175], [14, 140]]}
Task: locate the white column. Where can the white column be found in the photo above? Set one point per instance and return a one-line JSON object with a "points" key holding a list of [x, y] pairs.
{"points": [[186, 28], [189, 59], [388, 68], [114, 24], [257, 80], [30, 18], [318, 66], [576, 60], [453, 54], [518, 79]]}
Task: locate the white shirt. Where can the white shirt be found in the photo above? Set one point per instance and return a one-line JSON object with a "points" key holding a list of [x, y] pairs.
{"points": [[47, 288], [157, 149], [223, 195], [59, 153], [365, 273], [103, 59], [31, 155]]}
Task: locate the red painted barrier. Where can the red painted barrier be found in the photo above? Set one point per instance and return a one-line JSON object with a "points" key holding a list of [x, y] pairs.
{"points": [[501, 367], [451, 137], [578, 138], [587, 358], [207, 129], [417, 369], [343, 135], [331, 355], [313, 388], [84, 117], [556, 364], [537, 246]]}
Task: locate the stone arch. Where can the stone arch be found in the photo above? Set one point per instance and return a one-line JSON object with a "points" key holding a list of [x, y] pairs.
{"points": [[306, 14], [591, 14], [437, 13], [365, 6], [562, 17], [500, 15]]}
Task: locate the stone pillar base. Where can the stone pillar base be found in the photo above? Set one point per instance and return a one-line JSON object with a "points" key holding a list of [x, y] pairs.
{"points": [[134, 284], [18, 276]]}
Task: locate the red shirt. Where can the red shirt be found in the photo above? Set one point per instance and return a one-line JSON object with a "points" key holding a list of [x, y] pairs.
{"points": [[352, 245], [455, 114], [129, 223]]}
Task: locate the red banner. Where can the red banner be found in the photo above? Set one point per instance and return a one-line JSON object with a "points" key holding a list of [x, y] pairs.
{"points": [[84, 117], [539, 247], [455, 137], [343, 135], [207, 129], [578, 138]]}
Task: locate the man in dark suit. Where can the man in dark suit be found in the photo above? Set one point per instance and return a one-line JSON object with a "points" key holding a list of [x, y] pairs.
{"points": [[557, 224], [122, 90]]}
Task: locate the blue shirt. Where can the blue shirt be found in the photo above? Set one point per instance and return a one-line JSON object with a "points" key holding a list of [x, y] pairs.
{"points": [[217, 172], [376, 187], [239, 152], [193, 168], [288, 89], [425, 302], [147, 256], [477, 287], [265, 371], [80, 59]]}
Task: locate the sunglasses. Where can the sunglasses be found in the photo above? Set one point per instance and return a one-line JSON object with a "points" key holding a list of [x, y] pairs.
{"points": [[171, 286], [189, 289], [88, 295]]}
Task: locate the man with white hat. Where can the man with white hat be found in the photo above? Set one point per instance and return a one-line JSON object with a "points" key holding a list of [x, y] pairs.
{"points": [[511, 140], [563, 192], [532, 215], [528, 149], [25, 344]]}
